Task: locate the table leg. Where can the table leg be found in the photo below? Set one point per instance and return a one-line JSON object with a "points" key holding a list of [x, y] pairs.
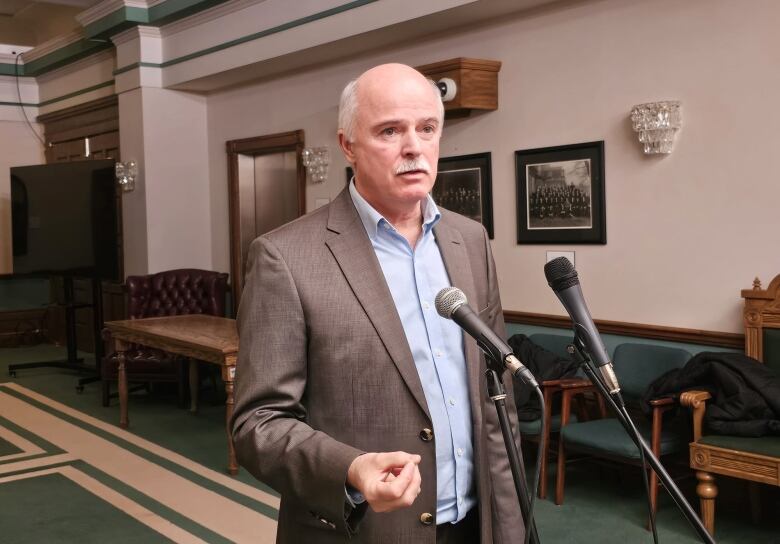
{"points": [[229, 373], [122, 385], [194, 385]]}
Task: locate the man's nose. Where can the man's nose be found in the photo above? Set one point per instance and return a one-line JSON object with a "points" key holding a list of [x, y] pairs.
{"points": [[411, 144]]}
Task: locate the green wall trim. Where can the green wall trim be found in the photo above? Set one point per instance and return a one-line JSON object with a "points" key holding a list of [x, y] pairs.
{"points": [[134, 66], [8, 69], [17, 104], [76, 93], [116, 20], [65, 55], [172, 10], [251, 37], [97, 36], [60, 98]]}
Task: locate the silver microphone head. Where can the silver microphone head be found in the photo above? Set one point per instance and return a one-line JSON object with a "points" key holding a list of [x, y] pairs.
{"points": [[448, 300]]}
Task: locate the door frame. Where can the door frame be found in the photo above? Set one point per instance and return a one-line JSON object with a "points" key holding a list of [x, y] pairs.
{"points": [[258, 145]]}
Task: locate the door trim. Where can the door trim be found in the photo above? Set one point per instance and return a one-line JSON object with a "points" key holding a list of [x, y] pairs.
{"points": [[258, 145]]}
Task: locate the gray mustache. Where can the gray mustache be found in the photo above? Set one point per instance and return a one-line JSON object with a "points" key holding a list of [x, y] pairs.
{"points": [[413, 164]]}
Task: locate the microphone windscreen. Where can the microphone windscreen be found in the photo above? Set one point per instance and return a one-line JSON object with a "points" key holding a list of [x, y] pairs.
{"points": [[448, 300], [560, 274]]}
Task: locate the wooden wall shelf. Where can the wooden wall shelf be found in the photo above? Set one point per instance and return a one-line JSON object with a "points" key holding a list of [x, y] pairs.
{"points": [[476, 79]]}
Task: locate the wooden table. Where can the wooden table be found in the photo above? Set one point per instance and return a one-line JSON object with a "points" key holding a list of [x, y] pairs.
{"points": [[199, 337]]}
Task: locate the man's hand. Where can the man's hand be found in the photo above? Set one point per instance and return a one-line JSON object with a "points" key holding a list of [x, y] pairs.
{"points": [[388, 481]]}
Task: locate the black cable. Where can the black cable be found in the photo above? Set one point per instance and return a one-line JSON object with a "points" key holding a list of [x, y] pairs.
{"points": [[645, 475], [537, 471], [21, 105]]}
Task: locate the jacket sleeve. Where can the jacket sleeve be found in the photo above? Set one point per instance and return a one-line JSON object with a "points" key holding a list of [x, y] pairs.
{"points": [[271, 436], [508, 524]]}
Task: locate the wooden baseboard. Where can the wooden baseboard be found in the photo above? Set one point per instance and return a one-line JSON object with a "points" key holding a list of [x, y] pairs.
{"points": [[22, 327], [655, 332]]}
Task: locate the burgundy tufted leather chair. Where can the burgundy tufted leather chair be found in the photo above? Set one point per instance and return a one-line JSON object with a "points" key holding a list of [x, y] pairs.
{"points": [[173, 292]]}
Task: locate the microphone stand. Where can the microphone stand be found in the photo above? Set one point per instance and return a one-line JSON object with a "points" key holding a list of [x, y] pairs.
{"points": [[497, 394], [582, 359]]}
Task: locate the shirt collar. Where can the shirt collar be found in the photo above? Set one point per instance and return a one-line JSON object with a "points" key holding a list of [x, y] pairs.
{"points": [[372, 219]]}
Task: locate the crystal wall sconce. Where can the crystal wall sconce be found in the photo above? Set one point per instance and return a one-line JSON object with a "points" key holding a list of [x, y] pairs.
{"points": [[657, 123], [316, 161], [126, 172]]}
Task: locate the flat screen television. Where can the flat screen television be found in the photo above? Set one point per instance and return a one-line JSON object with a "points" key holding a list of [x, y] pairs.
{"points": [[64, 219]]}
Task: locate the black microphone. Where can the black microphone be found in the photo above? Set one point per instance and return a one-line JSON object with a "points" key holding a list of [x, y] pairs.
{"points": [[563, 279], [451, 303]]}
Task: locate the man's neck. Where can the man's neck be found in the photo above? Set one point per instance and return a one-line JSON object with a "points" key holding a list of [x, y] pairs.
{"points": [[407, 221]]}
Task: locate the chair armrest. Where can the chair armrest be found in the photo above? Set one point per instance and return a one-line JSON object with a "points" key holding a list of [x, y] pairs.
{"points": [[696, 400], [576, 383], [662, 401]]}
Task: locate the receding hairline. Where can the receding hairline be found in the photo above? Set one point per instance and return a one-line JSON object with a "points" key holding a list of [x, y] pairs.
{"points": [[349, 102]]}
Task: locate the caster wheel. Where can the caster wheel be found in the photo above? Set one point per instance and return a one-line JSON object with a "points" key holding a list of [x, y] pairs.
{"points": [[79, 389], [12, 373]]}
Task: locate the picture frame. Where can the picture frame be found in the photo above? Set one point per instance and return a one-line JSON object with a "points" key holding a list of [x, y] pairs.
{"points": [[561, 194], [464, 185]]}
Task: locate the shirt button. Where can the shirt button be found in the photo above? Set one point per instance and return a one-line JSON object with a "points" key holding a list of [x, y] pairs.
{"points": [[460, 452], [426, 305], [438, 353], [452, 402], [460, 500]]}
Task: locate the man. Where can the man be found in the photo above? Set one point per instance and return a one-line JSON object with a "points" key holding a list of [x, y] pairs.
{"points": [[358, 403]]}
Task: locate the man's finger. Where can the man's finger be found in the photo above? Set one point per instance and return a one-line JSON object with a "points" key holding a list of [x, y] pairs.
{"points": [[395, 459], [413, 488], [390, 491]]}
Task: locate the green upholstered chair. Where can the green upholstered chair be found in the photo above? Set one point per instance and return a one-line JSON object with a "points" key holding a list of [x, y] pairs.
{"points": [[636, 367], [756, 460], [531, 430]]}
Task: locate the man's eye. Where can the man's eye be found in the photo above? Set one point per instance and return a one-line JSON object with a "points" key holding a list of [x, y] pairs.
{"points": [[389, 131], [429, 129]]}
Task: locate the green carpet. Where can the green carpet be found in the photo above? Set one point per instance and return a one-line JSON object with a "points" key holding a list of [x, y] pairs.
{"points": [[6, 448], [62, 513], [602, 504]]}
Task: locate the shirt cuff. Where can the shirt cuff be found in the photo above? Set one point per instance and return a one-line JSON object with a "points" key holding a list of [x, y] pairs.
{"points": [[354, 497]]}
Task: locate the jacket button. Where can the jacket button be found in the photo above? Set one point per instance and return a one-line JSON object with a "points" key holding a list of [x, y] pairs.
{"points": [[426, 518], [426, 435]]}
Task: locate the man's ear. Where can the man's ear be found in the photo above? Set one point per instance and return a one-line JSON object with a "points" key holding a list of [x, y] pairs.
{"points": [[346, 147]]}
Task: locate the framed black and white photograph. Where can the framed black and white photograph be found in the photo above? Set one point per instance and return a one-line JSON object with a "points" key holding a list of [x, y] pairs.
{"points": [[560, 195], [464, 185]]}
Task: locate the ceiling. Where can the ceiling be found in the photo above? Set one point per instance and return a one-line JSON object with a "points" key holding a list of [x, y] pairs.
{"points": [[30, 23]]}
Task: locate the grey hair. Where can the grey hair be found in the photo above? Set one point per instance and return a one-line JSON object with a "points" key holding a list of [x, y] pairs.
{"points": [[348, 107]]}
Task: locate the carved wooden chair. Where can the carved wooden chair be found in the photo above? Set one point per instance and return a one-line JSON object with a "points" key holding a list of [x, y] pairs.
{"points": [[551, 389], [756, 460], [636, 367]]}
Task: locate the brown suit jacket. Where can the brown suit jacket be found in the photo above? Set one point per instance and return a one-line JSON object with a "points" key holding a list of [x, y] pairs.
{"points": [[325, 373]]}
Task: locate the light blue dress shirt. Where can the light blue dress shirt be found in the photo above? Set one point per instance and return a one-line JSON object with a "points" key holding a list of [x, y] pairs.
{"points": [[414, 277]]}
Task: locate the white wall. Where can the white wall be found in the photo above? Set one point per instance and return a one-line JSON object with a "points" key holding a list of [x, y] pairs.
{"points": [[166, 220], [19, 148], [685, 232]]}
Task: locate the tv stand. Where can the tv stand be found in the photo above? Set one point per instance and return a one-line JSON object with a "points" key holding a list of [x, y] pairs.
{"points": [[73, 361]]}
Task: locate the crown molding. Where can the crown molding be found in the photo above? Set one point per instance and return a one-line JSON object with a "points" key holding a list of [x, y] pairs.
{"points": [[206, 16], [52, 45], [91, 60], [107, 7], [136, 32]]}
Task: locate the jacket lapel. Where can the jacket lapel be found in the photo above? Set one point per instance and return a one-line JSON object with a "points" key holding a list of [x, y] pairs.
{"points": [[355, 255], [458, 265]]}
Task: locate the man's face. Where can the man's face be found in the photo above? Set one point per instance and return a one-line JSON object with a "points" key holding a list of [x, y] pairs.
{"points": [[395, 147]]}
